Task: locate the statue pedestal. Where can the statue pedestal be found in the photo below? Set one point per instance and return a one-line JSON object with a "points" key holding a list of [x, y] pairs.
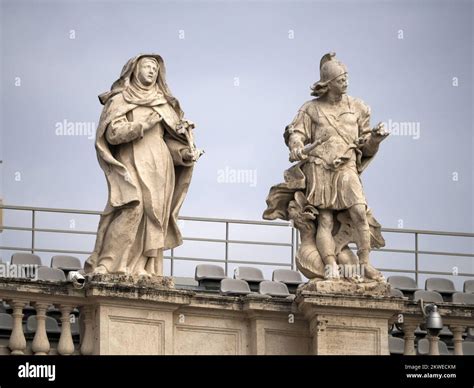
{"points": [[133, 316], [348, 323], [153, 318]]}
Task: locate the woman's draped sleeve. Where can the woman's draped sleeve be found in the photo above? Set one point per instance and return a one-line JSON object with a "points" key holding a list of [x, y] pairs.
{"points": [[177, 149], [121, 131]]}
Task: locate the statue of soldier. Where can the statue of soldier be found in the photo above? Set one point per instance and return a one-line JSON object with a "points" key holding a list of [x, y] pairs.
{"points": [[332, 142]]}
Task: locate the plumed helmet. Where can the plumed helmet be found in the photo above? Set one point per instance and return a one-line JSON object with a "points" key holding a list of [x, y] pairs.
{"points": [[329, 68]]}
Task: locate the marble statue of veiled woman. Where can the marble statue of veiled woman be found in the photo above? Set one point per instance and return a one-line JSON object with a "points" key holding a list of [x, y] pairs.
{"points": [[148, 161]]}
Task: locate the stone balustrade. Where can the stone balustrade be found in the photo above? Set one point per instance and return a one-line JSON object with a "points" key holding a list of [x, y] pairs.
{"points": [[458, 318], [43, 297], [120, 316]]}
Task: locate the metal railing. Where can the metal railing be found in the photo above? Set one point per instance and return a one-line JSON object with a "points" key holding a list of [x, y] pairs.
{"points": [[227, 241]]}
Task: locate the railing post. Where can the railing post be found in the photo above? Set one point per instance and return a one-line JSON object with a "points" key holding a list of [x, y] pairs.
{"points": [[297, 242], [33, 216], [172, 262], [292, 247], [226, 264], [416, 258]]}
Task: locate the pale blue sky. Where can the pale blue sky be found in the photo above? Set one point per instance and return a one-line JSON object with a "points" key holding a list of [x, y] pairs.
{"points": [[241, 72]]}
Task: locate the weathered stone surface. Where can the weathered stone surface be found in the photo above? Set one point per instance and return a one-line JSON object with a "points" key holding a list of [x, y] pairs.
{"points": [[348, 324], [346, 287], [122, 317], [136, 320], [132, 280]]}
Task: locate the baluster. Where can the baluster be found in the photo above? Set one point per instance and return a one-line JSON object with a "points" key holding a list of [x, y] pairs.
{"points": [[17, 342], [434, 345], [457, 338], [41, 344], [65, 345], [87, 343], [409, 337]]}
